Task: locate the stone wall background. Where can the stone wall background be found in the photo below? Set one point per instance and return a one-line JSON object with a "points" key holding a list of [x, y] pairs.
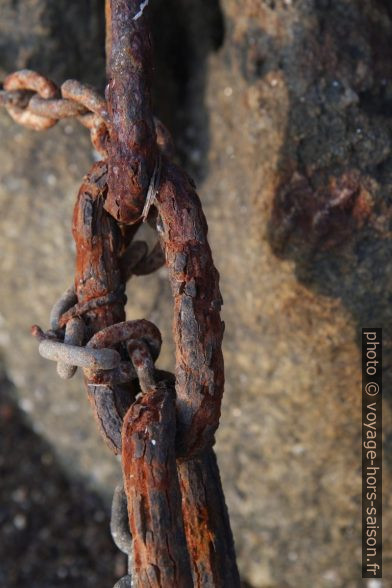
{"points": [[281, 110]]}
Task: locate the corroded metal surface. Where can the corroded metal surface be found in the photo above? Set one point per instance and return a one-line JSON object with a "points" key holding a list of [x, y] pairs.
{"points": [[198, 329], [133, 149], [207, 526], [162, 426], [153, 492]]}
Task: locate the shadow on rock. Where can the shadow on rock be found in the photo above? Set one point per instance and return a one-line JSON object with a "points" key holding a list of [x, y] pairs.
{"points": [[185, 32], [52, 532]]}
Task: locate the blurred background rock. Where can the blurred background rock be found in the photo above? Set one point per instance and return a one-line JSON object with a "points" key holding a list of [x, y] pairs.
{"points": [[281, 110]]}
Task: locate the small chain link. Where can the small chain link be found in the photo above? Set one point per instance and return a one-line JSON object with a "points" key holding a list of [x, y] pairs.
{"points": [[35, 102]]}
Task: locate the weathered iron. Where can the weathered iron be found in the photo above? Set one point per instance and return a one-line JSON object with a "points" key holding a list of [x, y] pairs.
{"points": [[162, 425]]}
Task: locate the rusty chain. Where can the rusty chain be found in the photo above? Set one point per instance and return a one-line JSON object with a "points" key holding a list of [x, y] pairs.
{"points": [[35, 102], [178, 532]]}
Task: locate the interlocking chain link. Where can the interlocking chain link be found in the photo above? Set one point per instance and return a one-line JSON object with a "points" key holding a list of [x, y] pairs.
{"points": [[162, 425], [35, 102]]}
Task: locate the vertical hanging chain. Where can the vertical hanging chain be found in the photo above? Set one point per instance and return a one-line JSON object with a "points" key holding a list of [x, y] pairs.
{"points": [[170, 517]]}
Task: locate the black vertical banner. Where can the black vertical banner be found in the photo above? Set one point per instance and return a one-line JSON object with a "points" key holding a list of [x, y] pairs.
{"points": [[372, 453]]}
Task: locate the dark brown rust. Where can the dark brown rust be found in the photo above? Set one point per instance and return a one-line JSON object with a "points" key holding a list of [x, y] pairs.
{"points": [[154, 501], [98, 246], [133, 148], [100, 137], [123, 374], [198, 333], [198, 329], [25, 79], [108, 34], [207, 526], [109, 421], [129, 330], [80, 309]]}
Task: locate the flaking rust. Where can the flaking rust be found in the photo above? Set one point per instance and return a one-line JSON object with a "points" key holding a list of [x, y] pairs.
{"points": [[207, 525], [133, 148], [198, 332], [153, 492], [99, 245], [163, 426], [198, 329]]}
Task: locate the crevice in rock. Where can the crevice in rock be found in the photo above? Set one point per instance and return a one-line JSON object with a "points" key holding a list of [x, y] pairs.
{"points": [[185, 32]]}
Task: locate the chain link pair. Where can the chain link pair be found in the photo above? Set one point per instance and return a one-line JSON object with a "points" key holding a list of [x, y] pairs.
{"points": [[35, 102]]}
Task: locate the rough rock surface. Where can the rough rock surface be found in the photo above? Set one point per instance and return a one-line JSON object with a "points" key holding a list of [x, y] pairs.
{"points": [[281, 110], [53, 531]]}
